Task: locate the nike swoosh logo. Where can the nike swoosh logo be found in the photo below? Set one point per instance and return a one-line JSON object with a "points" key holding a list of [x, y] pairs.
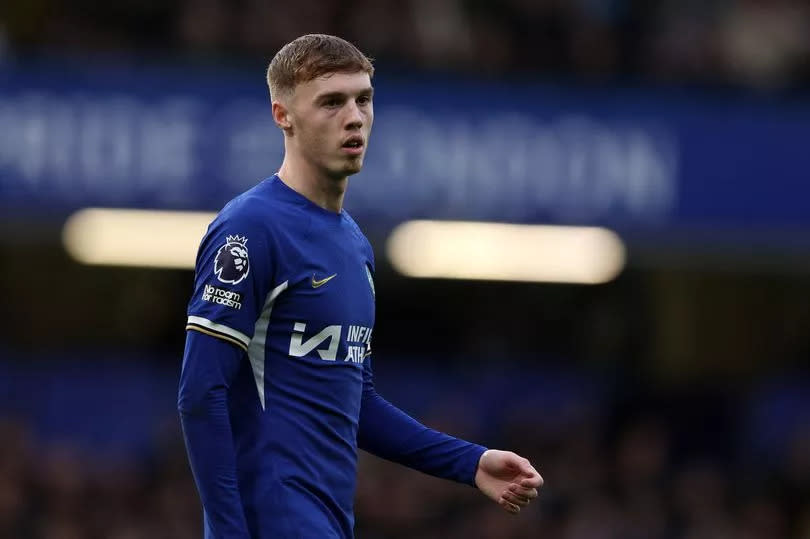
{"points": [[318, 283]]}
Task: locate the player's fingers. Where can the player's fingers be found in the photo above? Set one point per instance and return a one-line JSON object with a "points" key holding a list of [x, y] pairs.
{"points": [[515, 498], [533, 481], [509, 506], [531, 478], [529, 493]]}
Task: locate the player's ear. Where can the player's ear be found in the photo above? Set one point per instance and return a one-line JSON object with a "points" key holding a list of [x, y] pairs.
{"points": [[281, 115]]}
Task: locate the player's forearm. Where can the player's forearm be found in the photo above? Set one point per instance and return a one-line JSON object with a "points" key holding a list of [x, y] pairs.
{"points": [[211, 455], [202, 403], [390, 433]]}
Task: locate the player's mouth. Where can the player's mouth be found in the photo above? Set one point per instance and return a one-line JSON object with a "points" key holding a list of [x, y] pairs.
{"points": [[353, 145]]}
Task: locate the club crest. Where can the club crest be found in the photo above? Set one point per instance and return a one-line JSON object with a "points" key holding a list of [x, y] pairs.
{"points": [[231, 264]]}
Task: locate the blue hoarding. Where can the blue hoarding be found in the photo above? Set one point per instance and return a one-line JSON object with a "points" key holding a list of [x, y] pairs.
{"points": [[638, 159]]}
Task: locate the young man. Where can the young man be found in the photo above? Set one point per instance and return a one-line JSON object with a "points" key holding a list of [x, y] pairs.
{"points": [[276, 392]]}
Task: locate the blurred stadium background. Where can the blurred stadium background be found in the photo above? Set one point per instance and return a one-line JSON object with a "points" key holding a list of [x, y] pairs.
{"points": [[672, 400]]}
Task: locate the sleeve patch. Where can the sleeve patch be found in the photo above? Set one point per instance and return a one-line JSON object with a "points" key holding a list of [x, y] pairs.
{"points": [[222, 296], [232, 264]]}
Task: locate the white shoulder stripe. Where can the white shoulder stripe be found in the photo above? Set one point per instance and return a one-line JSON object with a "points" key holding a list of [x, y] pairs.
{"points": [[213, 326]]}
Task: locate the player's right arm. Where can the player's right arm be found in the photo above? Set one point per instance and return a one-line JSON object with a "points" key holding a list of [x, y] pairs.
{"points": [[209, 366], [232, 275]]}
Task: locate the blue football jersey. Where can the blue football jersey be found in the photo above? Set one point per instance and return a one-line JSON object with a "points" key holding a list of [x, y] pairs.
{"points": [[291, 284]]}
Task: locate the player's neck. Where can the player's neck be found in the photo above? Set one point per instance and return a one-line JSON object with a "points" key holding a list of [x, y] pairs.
{"points": [[322, 190]]}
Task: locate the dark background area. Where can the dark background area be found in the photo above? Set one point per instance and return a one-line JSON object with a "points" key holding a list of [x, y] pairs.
{"points": [[671, 402]]}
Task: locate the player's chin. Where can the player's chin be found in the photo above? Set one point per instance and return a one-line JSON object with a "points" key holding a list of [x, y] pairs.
{"points": [[353, 166]]}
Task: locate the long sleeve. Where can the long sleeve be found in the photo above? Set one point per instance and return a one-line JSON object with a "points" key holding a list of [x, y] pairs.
{"points": [[390, 433], [209, 365]]}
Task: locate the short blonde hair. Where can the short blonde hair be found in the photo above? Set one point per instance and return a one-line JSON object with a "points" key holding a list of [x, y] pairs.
{"points": [[311, 56]]}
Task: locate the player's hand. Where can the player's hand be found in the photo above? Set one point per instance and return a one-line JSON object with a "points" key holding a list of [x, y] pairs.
{"points": [[508, 479]]}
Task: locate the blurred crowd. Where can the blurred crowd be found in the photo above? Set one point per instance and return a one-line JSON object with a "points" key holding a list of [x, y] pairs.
{"points": [[679, 470], [759, 43], [628, 486], [624, 478]]}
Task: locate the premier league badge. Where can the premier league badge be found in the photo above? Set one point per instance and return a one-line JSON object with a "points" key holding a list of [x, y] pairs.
{"points": [[231, 264]]}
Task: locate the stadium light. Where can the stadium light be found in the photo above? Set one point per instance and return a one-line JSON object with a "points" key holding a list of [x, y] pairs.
{"points": [[506, 252], [146, 238]]}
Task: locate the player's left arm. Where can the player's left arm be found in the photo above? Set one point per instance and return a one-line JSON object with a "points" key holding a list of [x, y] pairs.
{"points": [[386, 431]]}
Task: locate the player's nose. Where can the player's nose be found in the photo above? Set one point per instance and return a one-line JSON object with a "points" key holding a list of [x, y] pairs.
{"points": [[354, 118]]}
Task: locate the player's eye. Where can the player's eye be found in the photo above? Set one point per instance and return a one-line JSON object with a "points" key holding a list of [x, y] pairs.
{"points": [[364, 100], [331, 102]]}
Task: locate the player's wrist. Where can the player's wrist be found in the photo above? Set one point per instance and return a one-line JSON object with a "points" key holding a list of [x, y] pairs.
{"points": [[477, 473]]}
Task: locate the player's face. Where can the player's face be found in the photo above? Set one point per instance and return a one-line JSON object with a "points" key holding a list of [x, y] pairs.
{"points": [[331, 119]]}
